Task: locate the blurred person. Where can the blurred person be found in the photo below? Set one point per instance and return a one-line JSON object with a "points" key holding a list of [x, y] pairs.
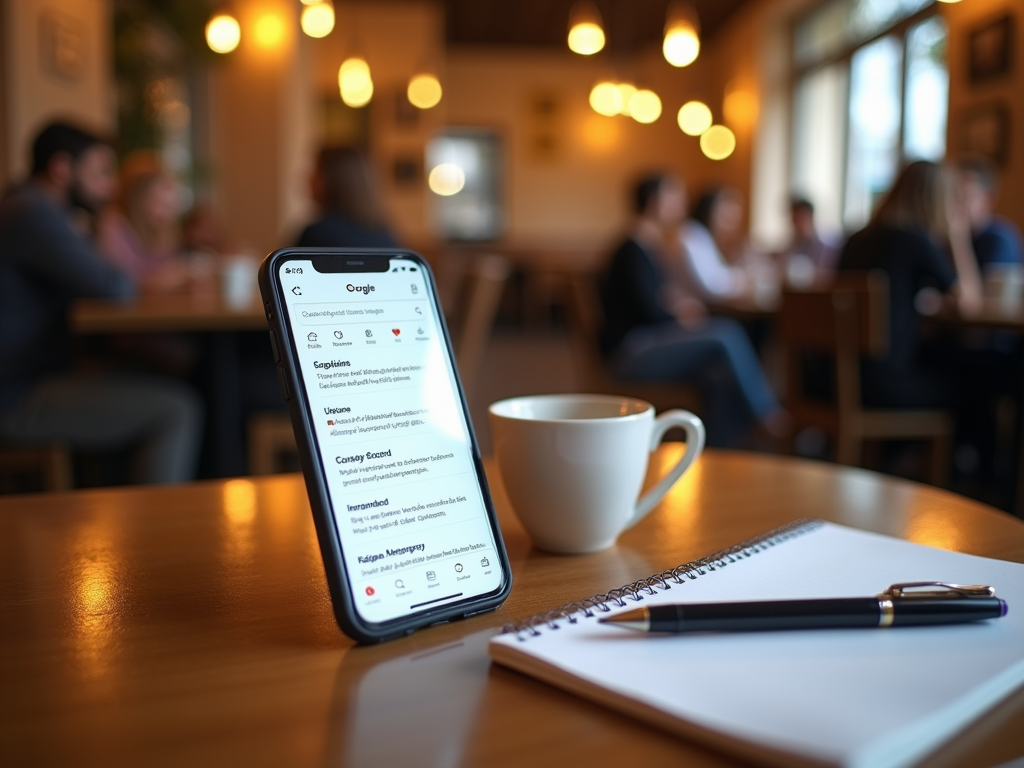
{"points": [[920, 237], [996, 240], [141, 234], [656, 331], [45, 264], [718, 260], [808, 258], [351, 211]]}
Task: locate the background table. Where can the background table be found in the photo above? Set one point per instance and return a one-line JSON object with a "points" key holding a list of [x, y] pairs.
{"points": [[219, 324], [192, 626]]}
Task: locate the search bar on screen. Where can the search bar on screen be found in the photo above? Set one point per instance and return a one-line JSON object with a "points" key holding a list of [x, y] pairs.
{"points": [[339, 313]]}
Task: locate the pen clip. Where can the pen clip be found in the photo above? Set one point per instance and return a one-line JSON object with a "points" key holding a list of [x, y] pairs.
{"points": [[936, 589]]}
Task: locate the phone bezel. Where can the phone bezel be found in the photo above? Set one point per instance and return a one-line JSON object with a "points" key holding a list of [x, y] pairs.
{"points": [[314, 472]]}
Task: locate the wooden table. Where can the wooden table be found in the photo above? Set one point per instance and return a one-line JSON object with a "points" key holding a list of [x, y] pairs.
{"points": [[165, 314], [206, 314], [192, 626]]}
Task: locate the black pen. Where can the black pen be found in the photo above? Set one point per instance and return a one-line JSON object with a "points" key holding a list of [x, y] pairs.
{"points": [[902, 605]]}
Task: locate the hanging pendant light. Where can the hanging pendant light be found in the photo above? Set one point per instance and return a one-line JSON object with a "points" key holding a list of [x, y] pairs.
{"points": [[682, 35], [586, 33], [355, 82], [317, 18], [223, 33]]}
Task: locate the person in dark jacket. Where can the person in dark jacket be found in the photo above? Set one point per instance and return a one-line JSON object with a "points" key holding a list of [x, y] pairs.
{"points": [[45, 264], [656, 331], [351, 212]]}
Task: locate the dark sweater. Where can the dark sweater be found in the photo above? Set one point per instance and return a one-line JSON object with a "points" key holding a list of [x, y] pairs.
{"points": [[44, 266], [630, 293], [337, 231], [912, 261]]}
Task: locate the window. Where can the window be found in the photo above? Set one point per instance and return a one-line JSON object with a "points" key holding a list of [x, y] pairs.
{"points": [[870, 94], [467, 201]]}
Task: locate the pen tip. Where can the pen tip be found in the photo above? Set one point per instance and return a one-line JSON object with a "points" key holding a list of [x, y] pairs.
{"points": [[1005, 608], [635, 619]]}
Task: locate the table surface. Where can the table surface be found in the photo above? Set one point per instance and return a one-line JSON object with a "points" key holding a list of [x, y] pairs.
{"points": [[165, 314], [192, 626]]}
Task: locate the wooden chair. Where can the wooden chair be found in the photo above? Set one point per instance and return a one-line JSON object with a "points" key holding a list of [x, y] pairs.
{"points": [[51, 463], [586, 318], [482, 285], [849, 322]]}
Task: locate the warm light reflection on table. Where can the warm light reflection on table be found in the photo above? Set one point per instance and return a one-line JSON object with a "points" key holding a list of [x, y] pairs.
{"points": [[192, 626]]}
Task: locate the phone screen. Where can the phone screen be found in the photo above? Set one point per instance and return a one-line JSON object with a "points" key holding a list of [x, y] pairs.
{"points": [[392, 437]]}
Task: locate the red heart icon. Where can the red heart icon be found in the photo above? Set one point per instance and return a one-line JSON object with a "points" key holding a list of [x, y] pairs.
{"points": [[396, 331]]}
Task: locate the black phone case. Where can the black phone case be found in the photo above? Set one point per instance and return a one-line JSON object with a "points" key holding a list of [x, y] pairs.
{"points": [[313, 470]]}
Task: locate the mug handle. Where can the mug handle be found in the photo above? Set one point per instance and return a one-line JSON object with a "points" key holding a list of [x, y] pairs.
{"points": [[695, 437]]}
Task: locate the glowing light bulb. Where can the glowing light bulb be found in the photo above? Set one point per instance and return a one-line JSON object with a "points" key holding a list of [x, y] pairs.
{"points": [[586, 38], [606, 99], [424, 91], [627, 91], [446, 179], [223, 33], [355, 82], [645, 106], [682, 45], [318, 18], [694, 118], [717, 142]]}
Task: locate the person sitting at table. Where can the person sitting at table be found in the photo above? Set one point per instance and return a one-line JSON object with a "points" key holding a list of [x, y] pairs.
{"points": [[996, 240], [141, 233], [920, 237], [656, 331], [45, 264], [351, 212], [809, 257]]}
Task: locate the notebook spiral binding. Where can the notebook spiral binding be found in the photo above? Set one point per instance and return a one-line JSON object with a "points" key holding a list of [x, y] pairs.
{"points": [[574, 611]]}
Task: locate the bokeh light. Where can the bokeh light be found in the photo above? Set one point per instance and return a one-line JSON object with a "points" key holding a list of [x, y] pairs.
{"points": [[446, 179], [269, 31], [586, 38], [606, 99], [424, 91], [645, 106], [223, 33], [682, 45], [355, 82], [318, 18], [717, 142], [694, 118], [627, 91]]}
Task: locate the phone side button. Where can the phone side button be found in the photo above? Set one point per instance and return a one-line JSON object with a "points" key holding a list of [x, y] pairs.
{"points": [[284, 383], [275, 348]]}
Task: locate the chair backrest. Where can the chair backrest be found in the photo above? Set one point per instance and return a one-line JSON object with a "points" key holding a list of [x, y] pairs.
{"points": [[846, 322], [809, 318], [486, 276], [586, 320]]}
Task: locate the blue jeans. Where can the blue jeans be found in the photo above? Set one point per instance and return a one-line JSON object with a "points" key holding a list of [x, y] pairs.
{"points": [[717, 357]]}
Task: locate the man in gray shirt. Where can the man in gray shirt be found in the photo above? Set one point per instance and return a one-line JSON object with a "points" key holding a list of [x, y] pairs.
{"points": [[45, 264]]}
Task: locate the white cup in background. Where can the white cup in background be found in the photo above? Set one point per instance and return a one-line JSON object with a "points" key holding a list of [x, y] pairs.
{"points": [[573, 465], [1004, 283], [238, 280]]}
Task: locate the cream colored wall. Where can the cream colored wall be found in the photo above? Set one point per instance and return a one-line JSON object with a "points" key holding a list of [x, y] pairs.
{"points": [[33, 93], [965, 96], [258, 102]]}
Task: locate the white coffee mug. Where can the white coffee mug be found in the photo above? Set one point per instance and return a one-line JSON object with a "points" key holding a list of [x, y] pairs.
{"points": [[573, 465]]}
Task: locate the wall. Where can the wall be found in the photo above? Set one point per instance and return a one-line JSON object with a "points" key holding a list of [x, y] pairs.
{"points": [[966, 98], [57, 63]]}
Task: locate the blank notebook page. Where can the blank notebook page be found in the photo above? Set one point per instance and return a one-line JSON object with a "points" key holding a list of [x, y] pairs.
{"points": [[837, 697]]}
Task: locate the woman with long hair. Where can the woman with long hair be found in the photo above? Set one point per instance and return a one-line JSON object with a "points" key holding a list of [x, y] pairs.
{"points": [[920, 237]]}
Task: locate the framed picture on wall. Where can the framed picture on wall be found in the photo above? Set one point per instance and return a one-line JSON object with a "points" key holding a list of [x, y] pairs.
{"points": [[990, 49], [985, 130]]}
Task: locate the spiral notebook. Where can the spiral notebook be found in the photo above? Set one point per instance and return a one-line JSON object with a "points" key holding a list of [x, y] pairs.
{"points": [[826, 697]]}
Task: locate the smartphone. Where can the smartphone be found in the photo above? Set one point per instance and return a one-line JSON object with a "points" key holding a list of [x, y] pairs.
{"points": [[403, 515]]}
